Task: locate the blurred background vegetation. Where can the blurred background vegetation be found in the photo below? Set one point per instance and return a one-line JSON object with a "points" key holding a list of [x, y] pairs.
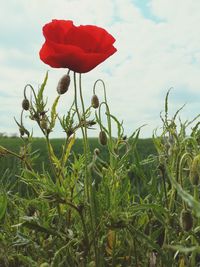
{"points": [[145, 148]]}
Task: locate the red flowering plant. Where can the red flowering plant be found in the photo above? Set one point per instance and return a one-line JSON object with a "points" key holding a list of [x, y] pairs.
{"points": [[83, 195], [79, 205], [76, 183]]}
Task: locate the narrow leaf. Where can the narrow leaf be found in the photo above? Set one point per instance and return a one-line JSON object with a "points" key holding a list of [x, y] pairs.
{"points": [[53, 113], [41, 90], [68, 150], [3, 204]]}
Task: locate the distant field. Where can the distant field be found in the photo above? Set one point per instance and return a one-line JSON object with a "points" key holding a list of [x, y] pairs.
{"points": [[145, 148]]}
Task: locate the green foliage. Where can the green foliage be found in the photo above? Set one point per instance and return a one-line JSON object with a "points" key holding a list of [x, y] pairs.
{"points": [[74, 202]]}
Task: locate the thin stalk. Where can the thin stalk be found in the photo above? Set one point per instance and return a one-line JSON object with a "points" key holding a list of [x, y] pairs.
{"points": [[83, 134], [163, 173], [6, 151], [82, 221], [135, 252], [88, 179], [109, 130], [180, 178], [50, 159], [194, 242]]}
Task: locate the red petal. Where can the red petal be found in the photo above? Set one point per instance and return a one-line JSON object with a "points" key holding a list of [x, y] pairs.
{"points": [[57, 29], [74, 58]]}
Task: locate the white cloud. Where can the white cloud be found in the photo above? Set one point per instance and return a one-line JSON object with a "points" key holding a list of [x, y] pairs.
{"points": [[152, 56]]}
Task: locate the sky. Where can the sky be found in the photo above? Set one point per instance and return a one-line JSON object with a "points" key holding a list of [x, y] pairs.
{"points": [[158, 45]]}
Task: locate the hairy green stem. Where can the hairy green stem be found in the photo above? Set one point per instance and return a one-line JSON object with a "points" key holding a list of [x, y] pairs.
{"points": [[88, 178]]}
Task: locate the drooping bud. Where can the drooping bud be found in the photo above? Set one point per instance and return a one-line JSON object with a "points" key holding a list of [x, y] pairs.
{"points": [[186, 220], [102, 138], [63, 84], [195, 170], [124, 137], [95, 101], [25, 104], [21, 131]]}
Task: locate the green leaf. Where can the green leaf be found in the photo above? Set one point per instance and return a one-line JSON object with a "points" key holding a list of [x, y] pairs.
{"points": [[145, 238], [3, 204], [189, 199], [26, 260], [166, 105], [41, 90], [183, 249], [60, 253], [54, 159], [155, 207], [119, 125], [38, 228], [53, 113], [68, 150]]}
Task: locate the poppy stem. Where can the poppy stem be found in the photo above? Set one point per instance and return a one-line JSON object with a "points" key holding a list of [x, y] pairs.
{"points": [[83, 132], [88, 178]]}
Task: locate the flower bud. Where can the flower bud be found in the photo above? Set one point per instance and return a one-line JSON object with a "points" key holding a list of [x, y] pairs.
{"points": [[195, 170], [102, 138], [21, 131], [95, 101], [124, 137], [186, 220], [63, 84], [25, 104]]}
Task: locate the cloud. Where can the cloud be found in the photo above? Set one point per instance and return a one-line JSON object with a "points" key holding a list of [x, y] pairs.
{"points": [[156, 51]]}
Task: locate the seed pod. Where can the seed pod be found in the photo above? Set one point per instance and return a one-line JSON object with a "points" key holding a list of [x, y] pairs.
{"points": [[63, 84], [186, 220], [102, 138], [95, 101], [25, 104], [195, 170]]}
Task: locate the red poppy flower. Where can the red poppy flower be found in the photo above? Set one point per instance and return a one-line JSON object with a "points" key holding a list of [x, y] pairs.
{"points": [[79, 48]]}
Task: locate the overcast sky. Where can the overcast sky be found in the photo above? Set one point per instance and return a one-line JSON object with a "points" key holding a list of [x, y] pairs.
{"points": [[158, 45]]}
